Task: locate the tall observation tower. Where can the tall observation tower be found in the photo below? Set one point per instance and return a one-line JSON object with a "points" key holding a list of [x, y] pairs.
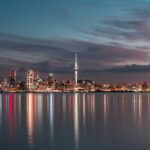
{"points": [[76, 70]]}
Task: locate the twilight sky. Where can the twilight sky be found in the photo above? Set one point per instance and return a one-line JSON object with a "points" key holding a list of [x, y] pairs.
{"points": [[111, 38]]}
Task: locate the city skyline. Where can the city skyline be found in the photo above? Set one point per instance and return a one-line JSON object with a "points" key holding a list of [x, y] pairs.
{"points": [[109, 38]]}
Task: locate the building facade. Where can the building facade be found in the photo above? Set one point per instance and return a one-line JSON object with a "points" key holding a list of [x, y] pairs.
{"points": [[31, 78]]}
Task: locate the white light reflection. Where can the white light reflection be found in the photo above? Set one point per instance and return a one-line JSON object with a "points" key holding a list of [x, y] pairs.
{"points": [[134, 107], [123, 104], [76, 121], [84, 112], [137, 108], [51, 115], [93, 108], [7, 105], [19, 107], [105, 109], [0, 111], [64, 106], [39, 110], [140, 108], [148, 98], [30, 117]]}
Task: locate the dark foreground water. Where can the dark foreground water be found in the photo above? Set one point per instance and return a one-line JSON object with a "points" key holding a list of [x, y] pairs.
{"points": [[103, 121]]}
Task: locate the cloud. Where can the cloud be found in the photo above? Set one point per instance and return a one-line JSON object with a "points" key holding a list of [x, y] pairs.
{"points": [[141, 13], [109, 55], [124, 30], [130, 68], [22, 53], [135, 27]]}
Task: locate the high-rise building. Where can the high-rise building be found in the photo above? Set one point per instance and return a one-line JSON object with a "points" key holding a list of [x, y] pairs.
{"points": [[12, 78], [5, 82], [51, 79], [76, 70], [32, 76]]}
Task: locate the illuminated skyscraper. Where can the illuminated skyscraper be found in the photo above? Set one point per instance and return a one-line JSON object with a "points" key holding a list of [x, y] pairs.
{"points": [[51, 79], [12, 78], [31, 78], [76, 70], [4, 82]]}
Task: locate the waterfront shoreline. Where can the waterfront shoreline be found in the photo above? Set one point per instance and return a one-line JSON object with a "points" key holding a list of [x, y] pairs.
{"points": [[79, 92]]}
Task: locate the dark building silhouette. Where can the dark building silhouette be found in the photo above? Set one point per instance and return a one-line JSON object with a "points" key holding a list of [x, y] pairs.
{"points": [[12, 78]]}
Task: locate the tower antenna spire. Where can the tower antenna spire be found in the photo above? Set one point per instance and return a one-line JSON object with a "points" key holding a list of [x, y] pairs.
{"points": [[76, 69]]}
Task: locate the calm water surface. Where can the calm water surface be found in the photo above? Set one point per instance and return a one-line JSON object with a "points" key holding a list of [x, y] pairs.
{"points": [[102, 121]]}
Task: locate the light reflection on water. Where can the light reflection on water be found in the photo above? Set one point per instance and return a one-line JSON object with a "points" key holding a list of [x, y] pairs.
{"points": [[0, 113], [30, 117], [77, 121], [51, 116]]}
